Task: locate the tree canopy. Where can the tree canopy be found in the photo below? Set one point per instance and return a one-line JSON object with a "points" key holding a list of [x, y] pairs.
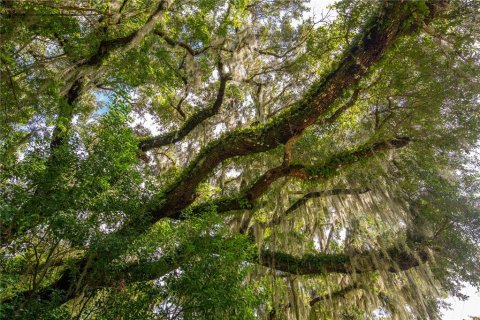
{"points": [[241, 159]]}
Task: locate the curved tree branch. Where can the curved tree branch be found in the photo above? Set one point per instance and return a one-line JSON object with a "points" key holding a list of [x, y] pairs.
{"points": [[394, 260], [176, 43], [350, 103], [192, 122], [323, 171], [388, 27]]}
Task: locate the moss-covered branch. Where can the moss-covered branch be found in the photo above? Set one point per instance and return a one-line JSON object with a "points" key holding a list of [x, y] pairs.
{"points": [[395, 19], [322, 171], [393, 260], [89, 68]]}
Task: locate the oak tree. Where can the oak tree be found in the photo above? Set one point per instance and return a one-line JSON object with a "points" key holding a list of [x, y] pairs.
{"points": [[241, 159]]}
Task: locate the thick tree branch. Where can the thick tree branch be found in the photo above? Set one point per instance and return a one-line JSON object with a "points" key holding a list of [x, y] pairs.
{"points": [[395, 260], [323, 171], [287, 152], [388, 27]]}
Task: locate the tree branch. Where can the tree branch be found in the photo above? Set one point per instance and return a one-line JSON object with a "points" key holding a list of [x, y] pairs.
{"points": [[395, 260], [192, 122], [177, 43], [344, 108], [324, 193], [323, 171], [388, 27], [336, 294]]}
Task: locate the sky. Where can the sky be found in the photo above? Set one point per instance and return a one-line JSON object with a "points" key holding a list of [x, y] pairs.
{"points": [[464, 309], [460, 310]]}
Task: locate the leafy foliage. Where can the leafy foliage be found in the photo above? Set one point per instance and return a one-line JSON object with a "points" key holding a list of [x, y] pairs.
{"points": [[153, 155]]}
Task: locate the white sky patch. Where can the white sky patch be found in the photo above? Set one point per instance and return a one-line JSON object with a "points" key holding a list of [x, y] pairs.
{"points": [[233, 173], [319, 9], [148, 121], [380, 313], [75, 119], [214, 77], [316, 244], [219, 129], [112, 222], [342, 234], [463, 309]]}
